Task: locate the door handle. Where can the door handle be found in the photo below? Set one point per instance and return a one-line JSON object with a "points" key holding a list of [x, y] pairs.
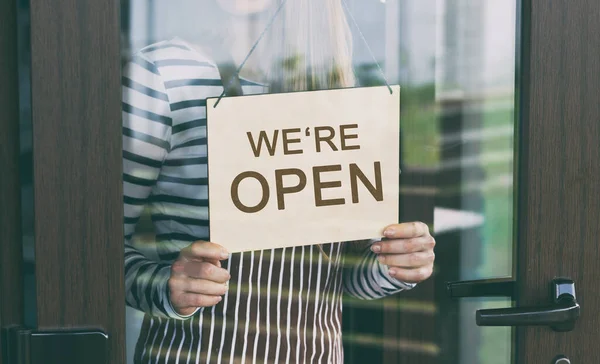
{"points": [[498, 287], [560, 316]]}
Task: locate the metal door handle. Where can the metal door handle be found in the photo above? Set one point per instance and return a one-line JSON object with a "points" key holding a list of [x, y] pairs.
{"points": [[498, 287], [560, 316]]}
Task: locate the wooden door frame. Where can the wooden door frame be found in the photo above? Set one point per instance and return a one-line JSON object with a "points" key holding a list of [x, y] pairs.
{"points": [[558, 206], [559, 88], [76, 164], [11, 297]]}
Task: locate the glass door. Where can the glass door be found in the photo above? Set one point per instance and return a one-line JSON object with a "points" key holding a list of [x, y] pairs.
{"points": [[499, 139]]}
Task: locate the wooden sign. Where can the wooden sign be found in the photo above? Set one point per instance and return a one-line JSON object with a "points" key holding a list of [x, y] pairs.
{"points": [[303, 168]]}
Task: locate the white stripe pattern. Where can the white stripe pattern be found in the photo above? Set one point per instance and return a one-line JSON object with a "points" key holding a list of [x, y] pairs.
{"points": [[165, 87]]}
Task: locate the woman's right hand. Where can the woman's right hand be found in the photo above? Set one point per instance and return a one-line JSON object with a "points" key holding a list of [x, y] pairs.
{"points": [[197, 279]]}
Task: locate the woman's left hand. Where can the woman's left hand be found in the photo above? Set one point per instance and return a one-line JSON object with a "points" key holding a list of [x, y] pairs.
{"points": [[407, 251]]}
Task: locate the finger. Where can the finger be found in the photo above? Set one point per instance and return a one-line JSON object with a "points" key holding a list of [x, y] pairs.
{"points": [[412, 260], [201, 270], [197, 286], [192, 300], [203, 250], [411, 275], [406, 230], [185, 311], [403, 246], [214, 261]]}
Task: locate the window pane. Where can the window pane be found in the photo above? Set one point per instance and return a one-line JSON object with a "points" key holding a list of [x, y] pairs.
{"points": [[455, 62]]}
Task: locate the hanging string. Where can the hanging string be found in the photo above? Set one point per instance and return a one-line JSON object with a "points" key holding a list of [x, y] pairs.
{"points": [[362, 36], [272, 20], [239, 69], [264, 32]]}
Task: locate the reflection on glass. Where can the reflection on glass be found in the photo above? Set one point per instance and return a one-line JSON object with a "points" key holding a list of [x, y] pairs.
{"points": [[475, 94], [455, 62]]}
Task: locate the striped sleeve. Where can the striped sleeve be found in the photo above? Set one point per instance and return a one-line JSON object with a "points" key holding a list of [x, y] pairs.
{"points": [[365, 277], [147, 127]]}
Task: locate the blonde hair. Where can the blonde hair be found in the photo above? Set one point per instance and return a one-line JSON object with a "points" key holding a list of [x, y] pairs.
{"points": [[310, 46]]}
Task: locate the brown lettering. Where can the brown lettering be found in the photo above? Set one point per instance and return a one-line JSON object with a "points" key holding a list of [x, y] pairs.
{"points": [[344, 136], [235, 192], [287, 141], [318, 185], [356, 174], [262, 137], [281, 191], [327, 138]]}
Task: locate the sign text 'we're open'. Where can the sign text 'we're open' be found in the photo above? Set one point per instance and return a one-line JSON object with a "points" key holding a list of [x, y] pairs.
{"points": [[303, 168]]}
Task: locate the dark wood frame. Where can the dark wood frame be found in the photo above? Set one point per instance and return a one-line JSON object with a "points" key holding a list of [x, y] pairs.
{"points": [[11, 293], [558, 205], [76, 119], [76, 98]]}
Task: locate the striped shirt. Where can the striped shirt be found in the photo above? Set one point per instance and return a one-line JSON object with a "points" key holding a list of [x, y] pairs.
{"points": [[283, 305]]}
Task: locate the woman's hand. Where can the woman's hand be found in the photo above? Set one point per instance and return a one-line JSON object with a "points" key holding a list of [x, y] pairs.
{"points": [[197, 279], [408, 251]]}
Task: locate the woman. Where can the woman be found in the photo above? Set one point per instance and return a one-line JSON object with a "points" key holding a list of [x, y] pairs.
{"points": [[201, 303]]}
